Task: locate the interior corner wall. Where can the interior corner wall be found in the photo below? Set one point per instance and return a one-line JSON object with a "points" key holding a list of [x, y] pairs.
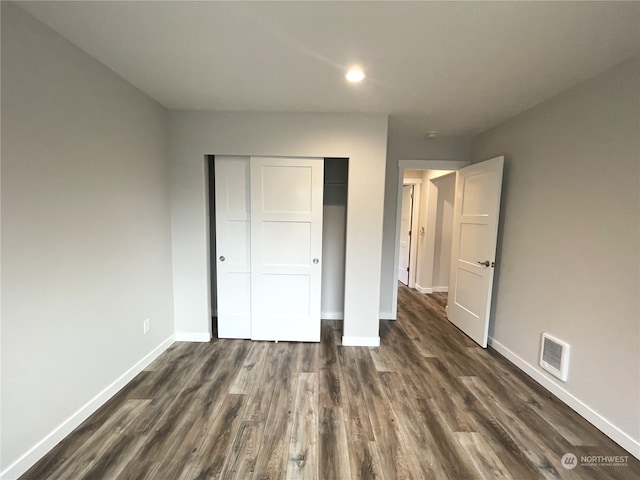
{"points": [[361, 138], [401, 146], [433, 201], [570, 244], [446, 186], [85, 237]]}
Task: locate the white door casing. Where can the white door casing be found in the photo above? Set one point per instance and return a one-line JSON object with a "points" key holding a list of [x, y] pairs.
{"points": [[475, 229], [286, 248], [233, 246], [405, 235]]}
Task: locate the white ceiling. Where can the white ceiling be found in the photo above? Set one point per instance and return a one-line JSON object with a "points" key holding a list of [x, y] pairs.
{"points": [[455, 67]]}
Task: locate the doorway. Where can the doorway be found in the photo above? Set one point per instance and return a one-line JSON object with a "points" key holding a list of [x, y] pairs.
{"points": [[426, 227], [436, 228], [409, 223], [334, 236], [405, 166], [405, 234], [331, 261], [473, 244]]}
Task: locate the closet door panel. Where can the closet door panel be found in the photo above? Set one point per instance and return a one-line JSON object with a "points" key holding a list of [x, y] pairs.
{"points": [[286, 248], [233, 246]]}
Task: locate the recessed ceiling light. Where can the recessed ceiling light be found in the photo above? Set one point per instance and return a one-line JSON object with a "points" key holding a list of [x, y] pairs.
{"points": [[431, 134], [355, 75]]}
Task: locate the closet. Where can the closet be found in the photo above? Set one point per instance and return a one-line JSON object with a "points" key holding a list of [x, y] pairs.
{"points": [[268, 247], [334, 235]]}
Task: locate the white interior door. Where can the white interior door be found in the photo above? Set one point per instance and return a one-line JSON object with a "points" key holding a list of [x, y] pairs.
{"points": [[475, 229], [286, 239], [405, 234], [233, 246]]}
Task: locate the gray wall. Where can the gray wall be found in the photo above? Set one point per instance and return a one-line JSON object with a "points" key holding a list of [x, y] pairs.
{"points": [[361, 138], [570, 238], [403, 147], [85, 231]]}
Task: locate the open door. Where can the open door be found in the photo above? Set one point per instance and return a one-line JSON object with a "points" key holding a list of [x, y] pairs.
{"points": [[475, 230], [286, 248], [405, 234]]}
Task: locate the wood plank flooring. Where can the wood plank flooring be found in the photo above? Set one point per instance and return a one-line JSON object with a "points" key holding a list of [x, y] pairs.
{"points": [[427, 404]]}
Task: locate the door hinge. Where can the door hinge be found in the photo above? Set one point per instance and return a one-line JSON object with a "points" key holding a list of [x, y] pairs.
{"points": [[409, 232], [407, 269]]}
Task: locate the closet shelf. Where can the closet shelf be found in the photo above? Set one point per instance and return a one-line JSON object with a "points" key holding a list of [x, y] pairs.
{"points": [[335, 184]]}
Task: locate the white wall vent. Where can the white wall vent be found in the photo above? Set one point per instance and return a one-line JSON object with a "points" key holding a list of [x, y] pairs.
{"points": [[554, 356]]}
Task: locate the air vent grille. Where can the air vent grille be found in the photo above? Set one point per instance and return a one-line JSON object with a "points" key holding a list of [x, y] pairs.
{"points": [[554, 356]]}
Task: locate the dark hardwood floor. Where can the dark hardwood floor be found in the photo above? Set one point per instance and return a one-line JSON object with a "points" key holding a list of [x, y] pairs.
{"points": [[427, 404]]}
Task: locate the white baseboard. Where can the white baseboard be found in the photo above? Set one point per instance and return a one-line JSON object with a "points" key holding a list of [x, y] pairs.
{"points": [[332, 315], [193, 337], [424, 289], [601, 423], [387, 316], [360, 341], [35, 453], [432, 289]]}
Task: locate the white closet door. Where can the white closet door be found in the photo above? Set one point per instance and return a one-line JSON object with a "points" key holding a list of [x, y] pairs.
{"points": [[233, 246], [286, 239]]}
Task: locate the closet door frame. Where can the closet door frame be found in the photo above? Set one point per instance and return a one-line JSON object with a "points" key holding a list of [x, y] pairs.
{"points": [[268, 217]]}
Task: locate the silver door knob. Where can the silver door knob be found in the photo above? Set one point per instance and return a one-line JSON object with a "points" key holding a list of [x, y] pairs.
{"points": [[315, 260], [222, 259], [486, 263]]}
